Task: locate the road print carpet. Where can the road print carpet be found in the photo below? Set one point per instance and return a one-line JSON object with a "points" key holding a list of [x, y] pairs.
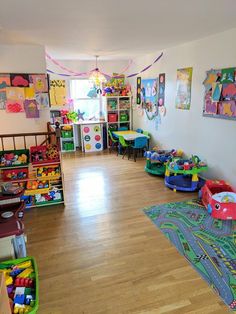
{"points": [[208, 244]]}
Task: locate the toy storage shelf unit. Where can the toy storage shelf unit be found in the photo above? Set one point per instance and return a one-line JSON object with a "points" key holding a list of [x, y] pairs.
{"points": [[38, 171], [118, 113], [67, 138]]}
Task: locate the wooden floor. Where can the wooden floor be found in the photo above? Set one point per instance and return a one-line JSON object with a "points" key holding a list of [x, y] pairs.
{"points": [[101, 254]]}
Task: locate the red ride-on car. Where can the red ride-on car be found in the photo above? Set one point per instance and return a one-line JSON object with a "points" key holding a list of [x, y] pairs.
{"points": [[219, 198]]}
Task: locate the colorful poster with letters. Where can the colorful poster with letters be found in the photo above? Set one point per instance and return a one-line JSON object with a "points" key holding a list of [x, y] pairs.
{"points": [[92, 138], [183, 95], [57, 92]]}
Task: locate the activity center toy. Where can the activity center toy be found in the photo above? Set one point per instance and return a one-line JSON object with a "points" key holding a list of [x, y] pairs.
{"points": [[156, 160], [182, 174], [219, 198], [21, 278]]}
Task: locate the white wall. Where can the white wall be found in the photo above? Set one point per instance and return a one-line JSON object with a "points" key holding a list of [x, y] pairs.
{"points": [[22, 59], [212, 139]]}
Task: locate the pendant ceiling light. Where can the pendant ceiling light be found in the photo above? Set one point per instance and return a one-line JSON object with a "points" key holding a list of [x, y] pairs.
{"points": [[96, 76]]}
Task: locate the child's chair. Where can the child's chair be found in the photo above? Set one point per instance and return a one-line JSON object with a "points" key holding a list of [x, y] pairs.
{"points": [[125, 146], [139, 130], [140, 144], [114, 142], [149, 136], [123, 128]]}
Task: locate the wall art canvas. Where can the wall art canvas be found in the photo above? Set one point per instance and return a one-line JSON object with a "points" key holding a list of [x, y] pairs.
{"points": [[213, 76], [161, 89], [4, 82], [57, 92], [14, 106], [227, 75], [39, 82], [15, 93], [229, 91], [227, 108], [19, 80], [31, 109], [29, 93], [183, 95], [216, 91], [138, 100], [42, 100]]}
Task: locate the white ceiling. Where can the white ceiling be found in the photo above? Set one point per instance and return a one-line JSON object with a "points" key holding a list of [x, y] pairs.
{"points": [[112, 29]]}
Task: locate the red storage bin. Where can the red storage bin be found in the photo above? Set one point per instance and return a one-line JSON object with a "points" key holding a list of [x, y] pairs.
{"points": [[112, 117], [15, 174]]}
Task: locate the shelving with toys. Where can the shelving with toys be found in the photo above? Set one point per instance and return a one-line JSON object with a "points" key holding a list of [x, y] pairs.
{"points": [[119, 113], [66, 136], [39, 175]]}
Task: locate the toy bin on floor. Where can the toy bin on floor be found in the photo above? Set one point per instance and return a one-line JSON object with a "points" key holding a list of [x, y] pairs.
{"points": [[22, 284], [156, 160], [182, 174]]}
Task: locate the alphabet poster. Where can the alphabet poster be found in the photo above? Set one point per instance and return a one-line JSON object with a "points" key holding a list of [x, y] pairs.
{"points": [[184, 82]]}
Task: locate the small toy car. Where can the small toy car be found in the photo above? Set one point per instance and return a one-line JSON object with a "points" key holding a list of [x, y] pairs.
{"points": [[219, 198]]}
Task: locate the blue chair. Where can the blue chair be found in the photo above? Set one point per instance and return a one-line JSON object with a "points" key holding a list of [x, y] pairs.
{"points": [[140, 144], [123, 128], [139, 130]]}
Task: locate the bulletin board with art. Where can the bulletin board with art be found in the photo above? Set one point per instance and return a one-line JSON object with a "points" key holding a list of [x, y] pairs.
{"points": [[220, 94], [24, 92]]}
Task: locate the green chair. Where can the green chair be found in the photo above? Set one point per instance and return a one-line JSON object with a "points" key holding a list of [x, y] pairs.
{"points": [[125, 146], [114, 142]]}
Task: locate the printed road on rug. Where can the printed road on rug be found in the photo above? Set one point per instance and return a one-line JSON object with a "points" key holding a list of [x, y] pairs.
{"points": [[208, 244]]}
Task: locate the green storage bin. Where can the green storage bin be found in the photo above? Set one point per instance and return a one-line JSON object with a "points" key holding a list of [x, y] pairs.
{"points": [[66, 134], [124, 117], [9, 263], [68, 146]]}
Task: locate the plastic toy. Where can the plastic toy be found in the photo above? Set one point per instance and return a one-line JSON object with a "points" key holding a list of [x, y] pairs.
{"points": [[182, 174], [14, 158], [156, 160], [219, 198], [22, 292]]}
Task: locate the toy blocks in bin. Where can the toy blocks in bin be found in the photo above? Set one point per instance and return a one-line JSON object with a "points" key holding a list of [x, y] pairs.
{"points": [[44, 154], [112, 117], [15, 174], [37, 187], [21, 279], [53, 196], [14, 158], [49, 172]]}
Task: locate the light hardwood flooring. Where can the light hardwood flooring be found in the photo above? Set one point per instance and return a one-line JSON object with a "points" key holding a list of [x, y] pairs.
{"points": [[101, 254]]}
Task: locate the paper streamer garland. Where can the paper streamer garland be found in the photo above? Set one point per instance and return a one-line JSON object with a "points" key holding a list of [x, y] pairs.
{"points": [[85, 74]]}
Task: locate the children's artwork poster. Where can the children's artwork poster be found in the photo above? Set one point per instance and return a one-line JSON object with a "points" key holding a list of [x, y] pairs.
{"points": [[39, 82], [31, 109], [57, 92], [19, 80], [138, 100], [29, 93], [149, 97], [43, 100], [184, 82], [92, 137], [220, 94], [17, 87], [161, 94], [14, 106], [4, 82], [15, 93]]}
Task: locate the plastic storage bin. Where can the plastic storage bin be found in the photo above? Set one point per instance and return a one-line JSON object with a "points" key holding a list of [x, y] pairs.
{"points": [[124, 117], [66, 134], [68, 146], [9, 263], [112, 117]]}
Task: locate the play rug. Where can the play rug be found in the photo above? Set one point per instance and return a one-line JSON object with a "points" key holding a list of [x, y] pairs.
{"points": [[208, 244]]}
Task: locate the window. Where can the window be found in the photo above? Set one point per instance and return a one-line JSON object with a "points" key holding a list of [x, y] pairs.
{"points": [[79, 91]]}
